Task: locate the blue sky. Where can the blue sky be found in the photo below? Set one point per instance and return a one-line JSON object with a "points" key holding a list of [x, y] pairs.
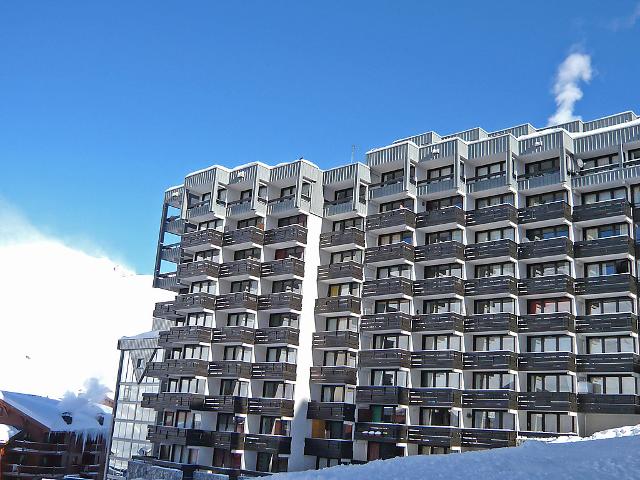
{"points": [[105, 104]]}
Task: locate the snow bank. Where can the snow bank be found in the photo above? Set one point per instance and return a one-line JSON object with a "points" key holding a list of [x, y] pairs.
{"points": [[6, 432], [627, 431], [613, 454]]}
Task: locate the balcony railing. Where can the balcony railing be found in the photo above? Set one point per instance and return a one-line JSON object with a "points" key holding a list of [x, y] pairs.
{"points": [[239, 300], [195, 301], [201, 240], [394, 218], [433, 436], [495, 399], [240, 268], [440, 251], [343, 304], [380, 395], [548, 401], [386, 322], [607, 323], [331, 411], [338, 374], [202, 269], [391, 358], [552, 247], [349, 236], [243, 237], [604, 246], [547, 322], [438, 286], [165, 310], [273, 371], [393, 252], [280, 301], [343, 270], [277, 335], [491, 322], [542, 285], [384, 189], [493, 214], [428, 188], [181, 335], [443, 216], [289, 234], [393, 286], [608, 363], [438, 322], [611, 404], [541, 180], [276, 407], [281, 205], [339, 339], [435, 397], [547, 362], [178, 368], [502, 285], [233, 335], [482, 183], [500, 360], [606, 209], [274, 444], [328, 448], [486, 438], [230, 369], [380, 432], [620, 283], [547, 211], [286, 267], [491, 249], [437, 359]]}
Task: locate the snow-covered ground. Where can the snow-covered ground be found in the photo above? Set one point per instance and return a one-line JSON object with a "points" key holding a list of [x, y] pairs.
{"points": [[612, 454]]}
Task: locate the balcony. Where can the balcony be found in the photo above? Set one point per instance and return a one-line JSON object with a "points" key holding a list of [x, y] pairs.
{"points": [[485, 438], [334, 305], [198, 271], [395, 187], [277, 336], [498, 399], [553, 247], [225, 404], [273, 371], [435, 397], [485, 182], [275, 444], [346, 271], [388, 287], [620, 283], [344, 208], [328, 448], [240, 269], [285, 268], [547, 362], [608, 363], [529, 182], [442, 185], [235, 335], [165, 310], [350, 237], [607, 323], [437, 359], [337, 375], [438, 322], [167, 281], [433, 436], [286, 236], [386, 322], [438, 287], [547, 322], [491, 250], [543, 213], [161, 401], [391, 220], [339, 339], [491, 322], [612, 404], [331, 411], [548, 401], [230, 369], [240, 208], [394, 253], [379, 395], [177, 368], [193, 437], [275, 407], [201, 240], [243, 238], [175, 225], [197, 212], [380, 432], [192, 302], [610, 209], [280, 301], [184, 335], [562, 284], [601, 247], [385, 358], [171, 253], [443, 216], [483, 286], [237, 301], [495, 214], [440, 251], [282, 206], [500, 360]]}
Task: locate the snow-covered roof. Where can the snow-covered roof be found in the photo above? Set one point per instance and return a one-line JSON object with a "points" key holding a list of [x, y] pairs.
{"points": [[6, 432], [143, 336], [48, 412]]}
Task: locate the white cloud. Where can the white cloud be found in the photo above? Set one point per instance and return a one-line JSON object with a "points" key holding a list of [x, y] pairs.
{"points": [[574, 70], [622, 23], [63, 311]]}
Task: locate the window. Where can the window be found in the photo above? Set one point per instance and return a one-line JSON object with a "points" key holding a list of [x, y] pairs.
{"points": [[390, 238], [549, 305], [443, 305], [344, 194], [271, 462], [262, 192], [389, 206], [605, 231], [550, 383], [295, 252], [205, 255], [494, 381], [495, 270], [222, 196], [254, 253], [226, 422], [550, 343], [439, 174], [541, 167], [237, 352], [283, 286], [274, 426], [288, 191], [551, 422], [271, 389], [491, 170], [546, 233], [341, 225], [281, 354], [246, 194], [439, 417], [243, 319], [505, 198], [613, 384], [347, 256], [429, 450], [196, 352], [495, 419], [549, 268], [444, 270], [441, 342], [439, 204], [293, 220], [443, 236], [305, 191], [387, 341], [392, 306], [633, 154], [337, 393], [394, 378], [612, 267], [339, 358], [498, 305], [342, 289], [200, 319], [394, 271], [495, 234], [611, 344], [609, 305], [392, 175], [602, 163], [209, 225], [234, 387], [604, 195], [437, 379], [207, 286], [250, 286], [334, 324], [284, 320], [494, 343], [544, 198], [250, 222]]}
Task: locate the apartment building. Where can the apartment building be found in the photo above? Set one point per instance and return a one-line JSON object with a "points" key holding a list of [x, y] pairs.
{"points": [[454, 293]]}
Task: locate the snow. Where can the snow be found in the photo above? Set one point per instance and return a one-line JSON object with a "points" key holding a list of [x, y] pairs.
{"points": [[627, 431], [143, 336], [612, 454], [64, 328], [48, 411], [6, 432]]}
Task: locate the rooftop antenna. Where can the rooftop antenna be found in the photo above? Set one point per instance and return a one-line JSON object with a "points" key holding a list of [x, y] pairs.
{"points": [[353, 153]]}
